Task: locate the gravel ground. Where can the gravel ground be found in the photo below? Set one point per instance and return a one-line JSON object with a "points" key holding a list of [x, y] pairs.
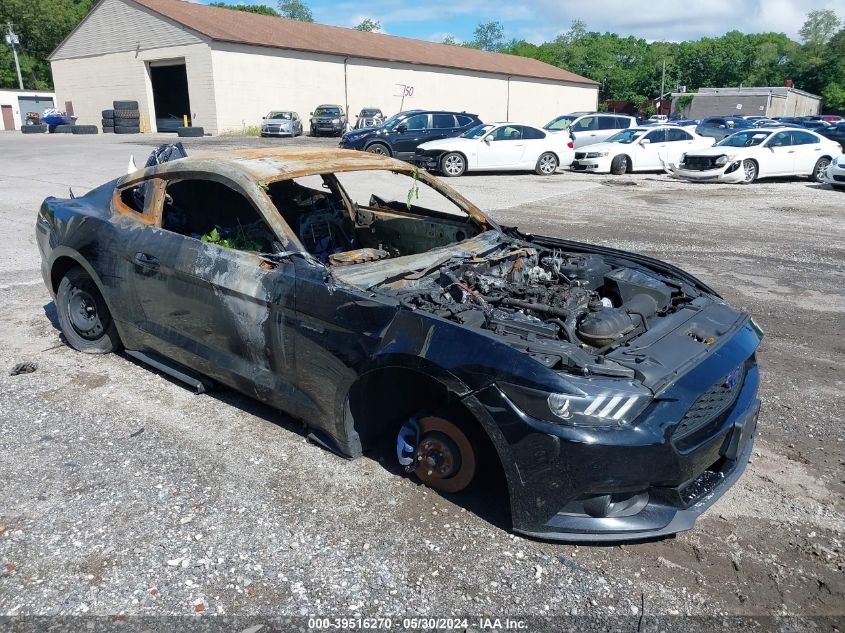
{"points": [[121, 492]]}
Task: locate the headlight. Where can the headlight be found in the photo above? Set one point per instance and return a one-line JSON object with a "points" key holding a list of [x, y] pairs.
{"points": [[335, 121], [593, 403], [840, 162], [596, 155], [723, 159]]}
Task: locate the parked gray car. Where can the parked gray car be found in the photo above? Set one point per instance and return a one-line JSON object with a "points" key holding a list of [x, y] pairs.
{"points": [[281, 123], [369, 117], [328, 119]]}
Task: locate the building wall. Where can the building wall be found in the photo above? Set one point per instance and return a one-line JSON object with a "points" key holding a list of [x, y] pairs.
{"points": [[283, 79], [12, 98], [775, 104], [93, 83]]}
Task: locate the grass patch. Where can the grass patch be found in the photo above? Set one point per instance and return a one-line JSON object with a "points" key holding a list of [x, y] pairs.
{"points": [[252, 130]]}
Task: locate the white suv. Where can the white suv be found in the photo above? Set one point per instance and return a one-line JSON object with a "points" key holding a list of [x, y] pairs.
{"points": [[587, 128]]}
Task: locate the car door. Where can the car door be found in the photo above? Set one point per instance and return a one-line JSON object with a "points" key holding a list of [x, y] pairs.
{"points": [[502, 147], [216, 304], [649, 150], [678, 142], [585, 130], [410, 133], [779, 160], [536, 143], [808, 150], [443, 125]]}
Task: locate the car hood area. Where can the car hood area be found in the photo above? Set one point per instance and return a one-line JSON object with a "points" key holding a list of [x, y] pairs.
{"points": [[450, 144], [571, 310], [722, 150]]}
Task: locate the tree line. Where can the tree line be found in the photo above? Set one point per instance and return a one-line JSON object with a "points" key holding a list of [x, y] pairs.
{"points": [[626, 68]]}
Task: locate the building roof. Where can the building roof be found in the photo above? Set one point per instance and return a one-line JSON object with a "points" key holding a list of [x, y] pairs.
{"points": [[240, 27], [778, 91]]}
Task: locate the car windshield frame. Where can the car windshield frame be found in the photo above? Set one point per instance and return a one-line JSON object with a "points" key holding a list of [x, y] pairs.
{"points": [[328, 111], [395, 120], [280, 115], [570, 118], [478, 131], [755, 134], [626, 137]]}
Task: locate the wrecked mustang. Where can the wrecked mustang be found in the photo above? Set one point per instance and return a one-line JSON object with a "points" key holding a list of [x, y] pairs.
{"points": [[614, 392]]}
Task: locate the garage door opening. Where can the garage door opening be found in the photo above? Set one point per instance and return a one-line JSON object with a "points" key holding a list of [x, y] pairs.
{"points": [[170, 95]]}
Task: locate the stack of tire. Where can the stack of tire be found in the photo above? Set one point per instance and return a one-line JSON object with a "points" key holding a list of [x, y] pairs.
{"points": [[36, 128], [108, 121], [125, 119]]}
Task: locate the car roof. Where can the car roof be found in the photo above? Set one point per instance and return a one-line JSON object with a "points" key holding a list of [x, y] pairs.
{"points": [[271, 164]]}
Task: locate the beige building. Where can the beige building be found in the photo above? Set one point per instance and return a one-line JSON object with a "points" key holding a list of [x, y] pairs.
{"points": [[774, 101], [226, 69]]}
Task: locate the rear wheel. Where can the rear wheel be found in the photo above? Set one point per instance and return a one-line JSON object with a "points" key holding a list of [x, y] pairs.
{"points": [[750, 170], [445, 458], [819, 170], [546, 164], [83, 315], [619, 165], [453, 164]]}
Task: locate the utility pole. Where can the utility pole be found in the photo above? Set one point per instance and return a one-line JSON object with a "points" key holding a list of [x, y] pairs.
{"points": [[13, 41], [662, 84]]}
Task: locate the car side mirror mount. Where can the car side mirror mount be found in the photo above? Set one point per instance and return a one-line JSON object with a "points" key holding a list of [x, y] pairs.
{"points": [[401, 128], [487, 140], [645, 141]]}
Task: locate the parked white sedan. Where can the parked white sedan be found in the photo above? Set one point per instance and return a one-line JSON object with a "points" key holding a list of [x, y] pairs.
{"points": [[497, 146], [647, 148], [745, 156], [835, 173]]}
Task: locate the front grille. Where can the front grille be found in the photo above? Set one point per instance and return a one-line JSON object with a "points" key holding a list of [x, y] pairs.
{"points": [[700, 163], [580, 155], [712, 403]]}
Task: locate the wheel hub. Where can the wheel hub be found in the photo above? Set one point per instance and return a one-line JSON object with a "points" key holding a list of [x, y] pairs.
{"points": [[443, 459], [439, 456], [82, 311]]}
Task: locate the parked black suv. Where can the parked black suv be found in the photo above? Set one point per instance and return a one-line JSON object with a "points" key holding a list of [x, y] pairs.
{"points": [[401, 133], [328, 119]]}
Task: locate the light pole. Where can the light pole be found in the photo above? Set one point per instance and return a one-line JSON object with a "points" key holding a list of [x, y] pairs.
{"points": [[13, 41]]}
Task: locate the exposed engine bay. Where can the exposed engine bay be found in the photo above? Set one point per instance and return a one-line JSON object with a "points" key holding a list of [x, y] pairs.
{"points": [[564, 309]]}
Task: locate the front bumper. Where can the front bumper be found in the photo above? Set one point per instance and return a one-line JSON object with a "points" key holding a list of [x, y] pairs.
{"points": [[834, 176], [718, 174], [430, 163], [597, 165], [661, 480], [276, 132]]}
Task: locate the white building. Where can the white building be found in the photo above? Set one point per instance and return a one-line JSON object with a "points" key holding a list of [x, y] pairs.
{"points": [[14, 104], [228, 68]]}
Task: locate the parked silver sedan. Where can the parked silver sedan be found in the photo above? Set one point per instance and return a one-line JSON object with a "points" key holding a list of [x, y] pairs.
{"points": [[281, 123]]}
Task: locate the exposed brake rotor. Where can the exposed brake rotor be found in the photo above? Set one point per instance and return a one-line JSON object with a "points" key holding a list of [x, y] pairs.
{"points": [[445, 459]]}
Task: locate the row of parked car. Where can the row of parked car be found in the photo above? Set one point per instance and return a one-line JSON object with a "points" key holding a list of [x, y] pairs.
{"points": [[724, 149], [325, 120]]}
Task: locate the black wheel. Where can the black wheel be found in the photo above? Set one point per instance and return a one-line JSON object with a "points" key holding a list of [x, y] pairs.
{"points": [[546, 164], [62, 129], [123, 129], [34, 129], [619, 165], [189, 131], [83, 316], [108, 129], [85, 129], [821, 167], [108, 114], [125, 105], [126, 122], [446, 459], [379, 148], [126, 114], [750, 171], [453, 164]]}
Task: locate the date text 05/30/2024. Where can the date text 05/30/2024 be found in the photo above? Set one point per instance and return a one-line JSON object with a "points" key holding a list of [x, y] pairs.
{"points": [[417, 624]]}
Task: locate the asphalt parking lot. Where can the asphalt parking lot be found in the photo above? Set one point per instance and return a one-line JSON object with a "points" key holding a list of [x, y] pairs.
{"points": [[121, 492]]}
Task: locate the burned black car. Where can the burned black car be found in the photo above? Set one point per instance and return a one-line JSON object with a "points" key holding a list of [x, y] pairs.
{"points": [[615, 392]]}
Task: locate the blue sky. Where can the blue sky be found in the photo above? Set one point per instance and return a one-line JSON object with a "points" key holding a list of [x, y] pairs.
{"points": [[541, 20]]}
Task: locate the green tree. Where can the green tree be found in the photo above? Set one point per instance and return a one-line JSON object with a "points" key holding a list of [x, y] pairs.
{"points": [[369, 25], [451, 40], [819, 27], [295, 10], [261, 9], [41, 26], [488, 36]]}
